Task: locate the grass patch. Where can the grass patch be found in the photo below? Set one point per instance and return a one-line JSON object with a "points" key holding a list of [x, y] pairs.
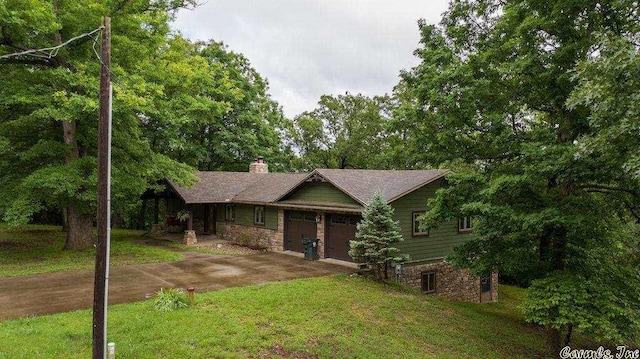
{"points": [[36, 249], [328, 317]]}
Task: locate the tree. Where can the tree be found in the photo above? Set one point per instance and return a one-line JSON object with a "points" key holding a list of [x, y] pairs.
{"points": [[344, 131], [49, 109], [376, 234], [214, 112], [535, 110]]}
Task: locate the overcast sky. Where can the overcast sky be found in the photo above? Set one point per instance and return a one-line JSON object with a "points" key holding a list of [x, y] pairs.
{"points": [[307, 48]]}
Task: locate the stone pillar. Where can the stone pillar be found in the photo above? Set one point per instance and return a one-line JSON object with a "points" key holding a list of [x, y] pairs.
{"points": [[189, 238], [278, 239], [320, 233]]}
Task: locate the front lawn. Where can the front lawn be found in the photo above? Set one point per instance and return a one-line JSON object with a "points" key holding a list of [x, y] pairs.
{"points": [[328, 317], [38, 249]]}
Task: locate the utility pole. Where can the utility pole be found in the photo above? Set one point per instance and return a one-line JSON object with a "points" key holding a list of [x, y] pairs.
{"points": [[101, 281]]}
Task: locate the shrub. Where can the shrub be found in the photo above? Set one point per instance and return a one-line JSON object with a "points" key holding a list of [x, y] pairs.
{"points": [[169, 299]]}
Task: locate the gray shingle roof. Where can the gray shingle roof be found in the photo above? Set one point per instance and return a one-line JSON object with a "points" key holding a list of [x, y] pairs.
{"points": [[245, 187], [220, 187], [269, 187], [363, 184]]}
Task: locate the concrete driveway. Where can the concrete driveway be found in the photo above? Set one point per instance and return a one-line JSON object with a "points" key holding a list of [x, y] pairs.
{"points": [[65, 291]]}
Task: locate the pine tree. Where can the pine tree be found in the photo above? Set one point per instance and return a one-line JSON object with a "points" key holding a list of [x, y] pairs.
{"points": [[375, 236]]}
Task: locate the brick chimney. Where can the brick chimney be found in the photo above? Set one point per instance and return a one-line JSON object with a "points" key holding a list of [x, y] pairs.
{"points": [[259, 166]]}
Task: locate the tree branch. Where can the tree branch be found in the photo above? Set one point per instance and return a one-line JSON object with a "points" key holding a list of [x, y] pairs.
{"points": [[607, 189]]}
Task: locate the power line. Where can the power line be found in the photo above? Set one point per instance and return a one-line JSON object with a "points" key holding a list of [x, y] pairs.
{"points": [[50, 52]]}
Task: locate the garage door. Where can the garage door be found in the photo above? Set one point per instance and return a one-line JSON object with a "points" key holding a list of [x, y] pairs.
{"points": [[340, 230], [298, 225]]}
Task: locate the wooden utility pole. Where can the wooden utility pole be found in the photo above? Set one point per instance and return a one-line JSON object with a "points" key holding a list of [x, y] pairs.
{"points": [[101, 282]]}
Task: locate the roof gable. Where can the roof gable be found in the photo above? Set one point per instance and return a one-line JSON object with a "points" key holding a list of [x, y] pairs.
{"points": [[392, 184]]}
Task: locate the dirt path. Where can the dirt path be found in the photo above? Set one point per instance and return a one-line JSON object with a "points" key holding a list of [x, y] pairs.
{"points": [[65, 291]]}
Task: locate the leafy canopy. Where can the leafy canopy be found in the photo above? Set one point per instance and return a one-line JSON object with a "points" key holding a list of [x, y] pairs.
{"points": [[534, 103]]}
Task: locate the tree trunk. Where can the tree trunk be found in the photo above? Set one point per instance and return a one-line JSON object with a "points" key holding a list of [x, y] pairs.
{"points": [[65, 222], [79, 233], [567, 338], [554, 339]]}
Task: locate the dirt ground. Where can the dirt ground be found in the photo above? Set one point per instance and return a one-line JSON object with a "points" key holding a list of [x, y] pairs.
{"points": [[66, 291]]}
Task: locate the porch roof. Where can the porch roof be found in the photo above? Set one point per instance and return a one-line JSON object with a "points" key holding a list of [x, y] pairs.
{"points": [[223, 187]]}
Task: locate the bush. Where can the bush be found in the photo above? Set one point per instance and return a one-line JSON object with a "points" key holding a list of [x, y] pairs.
{"points": [[169, 299]]}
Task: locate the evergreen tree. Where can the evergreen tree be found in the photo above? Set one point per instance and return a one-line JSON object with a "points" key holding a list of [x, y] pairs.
{"points": [[376, 234]]}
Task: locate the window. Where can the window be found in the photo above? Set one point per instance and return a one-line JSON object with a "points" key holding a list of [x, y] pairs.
{"points": [[418, 229], [258, 215], [485, 284], [339, 220], [229, 212], [465, 224], [428, 282]]}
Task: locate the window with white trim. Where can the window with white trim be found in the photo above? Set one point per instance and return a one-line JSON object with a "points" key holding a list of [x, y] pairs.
{"points": [[465, 224], [258, 215], [229, 212]]}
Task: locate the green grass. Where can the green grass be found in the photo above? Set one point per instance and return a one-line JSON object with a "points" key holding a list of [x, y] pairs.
{"points": [[328, 317], [38, 249]]}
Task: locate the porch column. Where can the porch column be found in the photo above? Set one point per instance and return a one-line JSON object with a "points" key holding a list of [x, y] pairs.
{"points": [[166, 209], [190, 221], [189, 235], [207, 213], [155, 210]]}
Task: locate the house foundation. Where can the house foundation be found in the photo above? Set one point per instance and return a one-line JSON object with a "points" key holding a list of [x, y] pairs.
{"points": [[446, 281]]}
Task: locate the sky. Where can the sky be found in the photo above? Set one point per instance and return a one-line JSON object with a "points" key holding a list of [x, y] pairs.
{"points": [[308, 48]]}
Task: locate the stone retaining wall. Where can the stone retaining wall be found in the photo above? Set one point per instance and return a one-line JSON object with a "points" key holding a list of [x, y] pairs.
{"points": [[251, 236], [451, 283]]}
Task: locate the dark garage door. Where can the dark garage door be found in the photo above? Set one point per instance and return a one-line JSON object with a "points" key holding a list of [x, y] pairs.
{"points": [[340, 230], [298, 225]]}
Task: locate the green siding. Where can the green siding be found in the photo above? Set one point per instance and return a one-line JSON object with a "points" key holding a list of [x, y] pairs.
{"points": [[219, 212], [440, 242], [244, 215], [321, 192], [271, 217]]}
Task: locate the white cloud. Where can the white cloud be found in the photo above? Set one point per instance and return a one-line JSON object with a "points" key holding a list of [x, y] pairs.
{"points": [[314, 47]]}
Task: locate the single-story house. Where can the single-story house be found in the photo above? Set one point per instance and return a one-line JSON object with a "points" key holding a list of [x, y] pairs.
{"points": [[277, 210]]}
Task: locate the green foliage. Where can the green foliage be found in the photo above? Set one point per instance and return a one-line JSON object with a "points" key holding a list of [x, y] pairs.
{"points": [[376, 233], [183, 215], [49, 107], [537, 104], [170, 299], [178, 105], [344, 131], [212, 110]]}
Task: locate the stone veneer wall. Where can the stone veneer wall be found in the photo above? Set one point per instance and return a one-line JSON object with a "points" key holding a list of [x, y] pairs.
{"points": [[320, 234], [451, 283], [256, 237]]}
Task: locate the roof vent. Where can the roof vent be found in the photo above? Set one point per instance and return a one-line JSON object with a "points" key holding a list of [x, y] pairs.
{"points": [[259, 166]]}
